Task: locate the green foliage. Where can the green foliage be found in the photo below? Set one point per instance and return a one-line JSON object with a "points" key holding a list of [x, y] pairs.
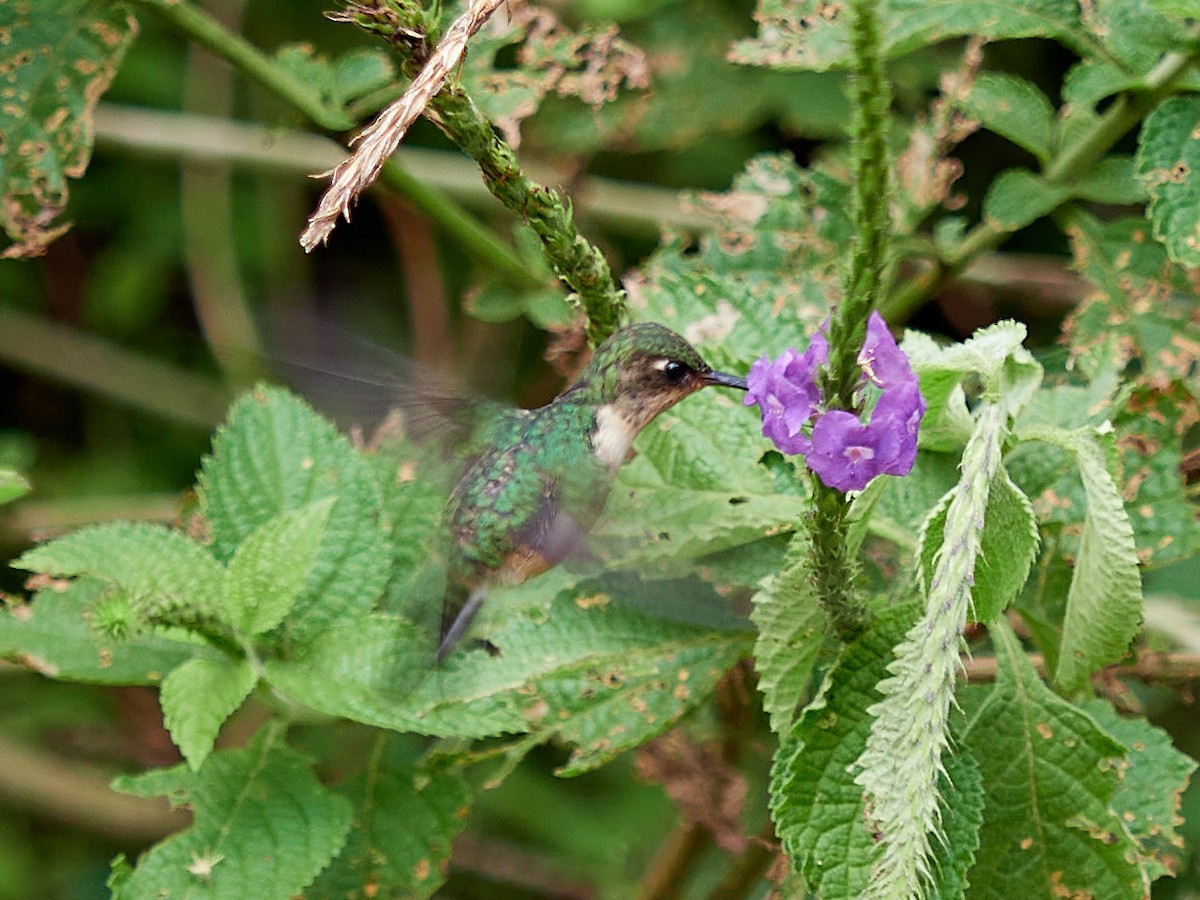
{"points": [[275, 455], [405, 816], [55, 68], [1050, 776], [791, 630], [303, 586], [12, 485], [227, 852], [1013, 108], [198, 697], [1167, 156]]}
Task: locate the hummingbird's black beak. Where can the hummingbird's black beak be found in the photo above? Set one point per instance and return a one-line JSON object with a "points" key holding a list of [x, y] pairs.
{"points": [[720, 378]]}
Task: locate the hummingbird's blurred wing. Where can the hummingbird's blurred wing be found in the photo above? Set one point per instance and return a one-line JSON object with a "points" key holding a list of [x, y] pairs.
{"points": [[357, 382]]}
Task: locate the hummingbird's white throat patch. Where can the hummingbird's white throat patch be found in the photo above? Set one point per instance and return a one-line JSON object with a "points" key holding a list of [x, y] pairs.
{"points": [[613, 436]]}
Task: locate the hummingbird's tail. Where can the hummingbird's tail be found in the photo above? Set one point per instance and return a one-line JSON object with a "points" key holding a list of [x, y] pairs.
{"points": [[458, 609]]}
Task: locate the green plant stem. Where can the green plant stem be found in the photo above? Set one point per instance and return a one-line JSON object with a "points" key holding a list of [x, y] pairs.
{"points": [[637, 208], [1070, 163], [577, 262], [834, 569], [482, 243], [97, 365]]}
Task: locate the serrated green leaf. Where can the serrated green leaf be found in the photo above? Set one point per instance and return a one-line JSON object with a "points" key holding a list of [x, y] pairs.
{"points": [[198, 697], [819, 810], [269, 568], [777, 239], [56, 636], [995, 353], [585, 667], [961, 812], [1104, 603], [276, 454], [1049, 779], [1111, 181], [1168, 155], [791, 631], [695, 487], [57, 64], [1135, 33], [1141, 309], [1013, 108], [1008, 547], [161, 570], [262, 826], [12, 485], [804, 35], [405, 818], [1018, 198], [1151, 786]]}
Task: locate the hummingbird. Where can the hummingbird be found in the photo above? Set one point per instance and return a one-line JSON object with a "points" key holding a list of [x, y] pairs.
{"points": [[527, 500]]}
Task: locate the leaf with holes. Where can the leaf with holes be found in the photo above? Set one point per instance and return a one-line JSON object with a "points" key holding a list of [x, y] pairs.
{"points": [[1167, 158], [58, 60]]}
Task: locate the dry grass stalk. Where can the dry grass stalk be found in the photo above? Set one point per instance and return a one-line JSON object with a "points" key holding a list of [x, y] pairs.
{"points": [[379, 141]]}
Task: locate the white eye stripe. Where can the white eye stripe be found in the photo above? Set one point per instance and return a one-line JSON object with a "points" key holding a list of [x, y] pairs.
{"points": [[661, 364]]}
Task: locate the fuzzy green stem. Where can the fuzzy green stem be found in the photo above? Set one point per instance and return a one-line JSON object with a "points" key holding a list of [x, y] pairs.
{"points": [[1070, 163], [481, 242], [577, 262], [834, 569]]}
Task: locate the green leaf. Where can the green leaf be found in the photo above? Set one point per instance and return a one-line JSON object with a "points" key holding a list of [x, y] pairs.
{"points": [[819, 810], [160, 570], [56, 636], [405, 818], [12, 485], [961, 812], [268, 569], [1110, 181], [1141, 309], [766, 275], [1008, 547], [1168, 155], [996, 354], [358, 72], [1049, 777], [276, 454], [1018, 198], [1136, 34], [57, 63], [262, 825], [198, 697], [695, 487], [1013, 108], [1152, 784], [791, 631], [805, 35], [1104, 603], [587, 668]]}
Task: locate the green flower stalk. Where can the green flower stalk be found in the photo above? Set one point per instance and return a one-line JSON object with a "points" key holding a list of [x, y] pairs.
{"points": [[903, 758]]}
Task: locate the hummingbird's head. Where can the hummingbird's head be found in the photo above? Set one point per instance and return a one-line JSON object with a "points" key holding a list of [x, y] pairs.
{"points": [[645, 369]]}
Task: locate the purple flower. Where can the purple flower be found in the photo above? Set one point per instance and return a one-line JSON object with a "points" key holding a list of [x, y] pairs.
{"points": [[847, 454], [882, 362], [843, 450], [786, 392]]}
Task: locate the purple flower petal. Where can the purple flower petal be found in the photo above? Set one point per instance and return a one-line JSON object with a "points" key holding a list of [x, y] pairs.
{"points": [[883, 363], [847, 454]]}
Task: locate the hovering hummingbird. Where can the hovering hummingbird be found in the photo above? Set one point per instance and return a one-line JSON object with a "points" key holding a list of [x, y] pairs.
{"points": [[525, 502]]}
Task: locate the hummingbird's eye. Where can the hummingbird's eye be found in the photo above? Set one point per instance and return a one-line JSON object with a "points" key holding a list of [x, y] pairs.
{"points": [[674, 371]]}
